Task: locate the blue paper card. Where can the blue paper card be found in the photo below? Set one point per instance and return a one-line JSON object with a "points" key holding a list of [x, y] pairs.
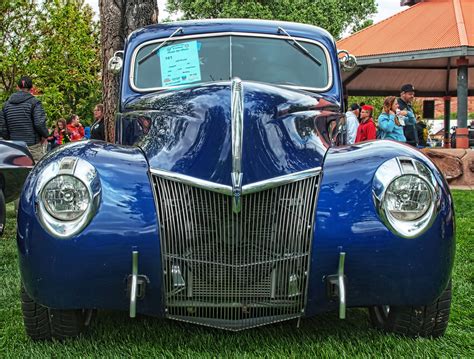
{"points": [[180, 64]]}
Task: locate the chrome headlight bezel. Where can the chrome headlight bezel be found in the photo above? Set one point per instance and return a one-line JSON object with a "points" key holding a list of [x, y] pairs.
{"points": [[84, 172], [386, 175]]}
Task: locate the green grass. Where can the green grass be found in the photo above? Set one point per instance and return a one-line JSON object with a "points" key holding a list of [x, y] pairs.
{"points": [[113, 334]]}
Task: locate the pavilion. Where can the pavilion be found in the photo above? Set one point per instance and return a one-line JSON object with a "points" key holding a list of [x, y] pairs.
{"points": [[430, 44]]}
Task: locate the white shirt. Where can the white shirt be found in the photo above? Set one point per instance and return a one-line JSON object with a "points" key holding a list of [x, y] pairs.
{"points": [[351, 126]]}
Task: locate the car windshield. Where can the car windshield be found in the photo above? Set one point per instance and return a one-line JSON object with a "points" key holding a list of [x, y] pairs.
{"points": [[271, 60]]}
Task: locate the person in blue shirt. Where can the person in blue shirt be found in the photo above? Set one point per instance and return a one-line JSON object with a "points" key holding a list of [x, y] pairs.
{"points": [[390, 125]]}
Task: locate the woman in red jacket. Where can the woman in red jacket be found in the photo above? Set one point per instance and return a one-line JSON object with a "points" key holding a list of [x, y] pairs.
{"points": [[76, 131], [366, 130]]}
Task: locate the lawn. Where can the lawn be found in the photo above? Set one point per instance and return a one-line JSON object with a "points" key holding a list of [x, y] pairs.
{"points": [[113, 334]]}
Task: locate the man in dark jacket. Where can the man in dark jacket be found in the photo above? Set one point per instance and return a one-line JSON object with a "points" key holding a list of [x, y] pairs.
{"points": [[407, 95], [24, 118]]}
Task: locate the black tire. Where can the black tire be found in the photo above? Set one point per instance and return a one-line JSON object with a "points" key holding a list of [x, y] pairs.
{"points": [[3, 212], [429, 321], [42, 323], [35, 317]]}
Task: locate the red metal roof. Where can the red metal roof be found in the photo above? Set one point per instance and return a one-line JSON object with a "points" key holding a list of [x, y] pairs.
{"points": [[428, 25]]}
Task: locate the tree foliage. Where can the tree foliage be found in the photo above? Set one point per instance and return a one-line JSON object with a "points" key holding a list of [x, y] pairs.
{"points": [[56, 42], [18, 41], [336, 16]]}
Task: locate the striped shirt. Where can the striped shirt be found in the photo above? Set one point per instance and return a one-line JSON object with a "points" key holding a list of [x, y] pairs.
{"points": [[23, 119]]}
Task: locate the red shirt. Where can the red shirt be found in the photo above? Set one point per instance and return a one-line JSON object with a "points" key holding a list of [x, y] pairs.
{"points": [[75, 133], [366, 131]]}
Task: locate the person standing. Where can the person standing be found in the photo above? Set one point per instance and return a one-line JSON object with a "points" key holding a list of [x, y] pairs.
{"points": [[422, 131], [24, 118], [61, 135], [366, 130], [389, 123], [97, 128], [75, 129], [352, 123], [407, 94]]}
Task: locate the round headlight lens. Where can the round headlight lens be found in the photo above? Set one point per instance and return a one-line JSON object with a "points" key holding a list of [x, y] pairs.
{"points": [[408, 198], [66, 198]]}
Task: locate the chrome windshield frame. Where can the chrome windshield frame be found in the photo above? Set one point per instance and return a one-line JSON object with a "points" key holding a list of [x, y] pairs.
{"points": [[131, 80]]}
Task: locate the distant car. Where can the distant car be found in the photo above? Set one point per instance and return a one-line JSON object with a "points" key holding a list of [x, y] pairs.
{"points": [[226, 201], [15, 164]]}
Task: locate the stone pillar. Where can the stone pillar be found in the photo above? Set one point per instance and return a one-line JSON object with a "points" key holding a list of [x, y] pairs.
{"points": [[447, 121]]}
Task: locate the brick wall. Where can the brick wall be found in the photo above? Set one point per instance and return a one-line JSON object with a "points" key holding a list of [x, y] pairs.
{"points": [[439, 105]]}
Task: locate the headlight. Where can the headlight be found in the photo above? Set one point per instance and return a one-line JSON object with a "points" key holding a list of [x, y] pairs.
{"points": [[67, 196], [406, 195], [408, 198]]}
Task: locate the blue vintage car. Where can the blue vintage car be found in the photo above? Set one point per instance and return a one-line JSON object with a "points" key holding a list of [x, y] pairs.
{"points": [[229, 200]]}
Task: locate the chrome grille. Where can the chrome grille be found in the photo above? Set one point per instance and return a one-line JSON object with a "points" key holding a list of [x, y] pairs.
{"points": [[235, 271]]}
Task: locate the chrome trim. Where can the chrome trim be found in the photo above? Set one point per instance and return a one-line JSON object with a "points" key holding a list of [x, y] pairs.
{"points": [[390, 171], [342, 286], [247, 189], [236, 191], [232, 33], [279, 181], [134, 285], [87, 174], [237, 114], [193, 181]]}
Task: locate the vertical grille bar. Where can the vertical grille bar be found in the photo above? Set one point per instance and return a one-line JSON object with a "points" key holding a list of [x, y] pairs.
{"points": [[235, 270]]}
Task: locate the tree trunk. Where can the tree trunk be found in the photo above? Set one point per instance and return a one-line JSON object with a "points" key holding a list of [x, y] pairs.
{"points": [[118, 18]]}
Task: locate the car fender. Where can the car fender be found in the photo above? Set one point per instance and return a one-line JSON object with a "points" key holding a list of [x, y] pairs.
{"points": [[380, 266]]}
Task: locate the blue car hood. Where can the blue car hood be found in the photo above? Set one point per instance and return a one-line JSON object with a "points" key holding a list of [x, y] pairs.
{"points": [[188, 131]]}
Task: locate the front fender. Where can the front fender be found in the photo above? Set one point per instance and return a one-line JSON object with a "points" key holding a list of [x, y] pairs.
{"points": [[381, 267], [89, 270]]}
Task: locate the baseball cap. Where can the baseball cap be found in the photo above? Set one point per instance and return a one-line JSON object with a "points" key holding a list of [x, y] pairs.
{"points": [[407, 88]]}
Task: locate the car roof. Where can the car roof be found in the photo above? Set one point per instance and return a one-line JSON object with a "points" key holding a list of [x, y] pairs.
{"points": [[192, 27]]}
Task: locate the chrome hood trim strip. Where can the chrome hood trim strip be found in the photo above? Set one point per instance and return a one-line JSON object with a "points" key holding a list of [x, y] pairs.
{"points": [[237, 114], [247, 189]]}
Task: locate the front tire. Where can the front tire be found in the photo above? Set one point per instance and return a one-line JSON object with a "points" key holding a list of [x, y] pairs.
{"points": [[42, 323], [429, 321]]}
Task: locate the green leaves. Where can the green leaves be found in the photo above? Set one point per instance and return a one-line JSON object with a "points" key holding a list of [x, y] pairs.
{"points": [[56, 42], [336, 16]]}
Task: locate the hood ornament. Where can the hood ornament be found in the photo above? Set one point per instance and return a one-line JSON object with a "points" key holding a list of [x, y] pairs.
{"points": [[237, 128]]}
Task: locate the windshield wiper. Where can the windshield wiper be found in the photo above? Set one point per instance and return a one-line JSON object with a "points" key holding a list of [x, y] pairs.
{"points": [[152, 52], [299, 46]]}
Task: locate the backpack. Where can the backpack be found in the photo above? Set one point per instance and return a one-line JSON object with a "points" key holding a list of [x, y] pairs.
{"points": [[425, 134]]}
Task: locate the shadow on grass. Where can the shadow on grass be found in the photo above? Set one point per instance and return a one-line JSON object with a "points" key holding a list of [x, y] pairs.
{"points": [[149, 329]]}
